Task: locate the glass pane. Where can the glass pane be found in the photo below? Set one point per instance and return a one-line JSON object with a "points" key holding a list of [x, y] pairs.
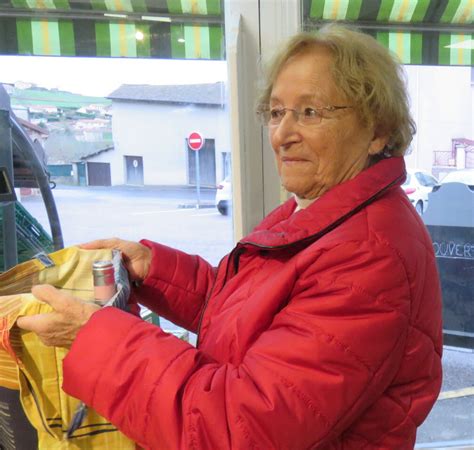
{"points": [[443, 145], [136, 148], [442, 155]]}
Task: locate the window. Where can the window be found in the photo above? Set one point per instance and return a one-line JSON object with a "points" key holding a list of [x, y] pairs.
{"points": [[115, 106], [438, 54]]}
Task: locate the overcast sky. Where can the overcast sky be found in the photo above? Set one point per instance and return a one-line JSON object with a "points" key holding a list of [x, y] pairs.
{"points": [[100, 76]]}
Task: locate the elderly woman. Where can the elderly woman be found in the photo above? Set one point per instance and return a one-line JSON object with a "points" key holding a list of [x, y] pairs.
{"points": [[322, 328]]}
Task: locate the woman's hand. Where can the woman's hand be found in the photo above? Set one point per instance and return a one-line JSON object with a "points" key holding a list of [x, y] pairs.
{"points": [[136, 257], [60, 327]]}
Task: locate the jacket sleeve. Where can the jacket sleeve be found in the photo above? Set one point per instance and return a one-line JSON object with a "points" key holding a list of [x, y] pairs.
{"points": [[177, 285], [325, 358]]}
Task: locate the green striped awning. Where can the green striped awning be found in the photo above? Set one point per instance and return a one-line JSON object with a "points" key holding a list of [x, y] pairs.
{"points": [[188, 29], [204, 7], [393, 11], [429, 48], [113, 39], [431, 32]]}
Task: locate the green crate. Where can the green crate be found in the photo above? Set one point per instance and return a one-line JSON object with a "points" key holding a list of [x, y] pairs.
{"points": [[31, 236]]}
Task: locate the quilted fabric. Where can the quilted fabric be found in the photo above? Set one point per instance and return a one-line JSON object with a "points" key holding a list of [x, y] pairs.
{"points": [[321, 330]]}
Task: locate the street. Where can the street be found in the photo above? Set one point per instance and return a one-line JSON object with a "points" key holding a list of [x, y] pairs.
{"points": [[169, 216], [135, 213]]}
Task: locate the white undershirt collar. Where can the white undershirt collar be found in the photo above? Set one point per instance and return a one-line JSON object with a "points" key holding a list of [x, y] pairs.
{"points": [[303, 203]]}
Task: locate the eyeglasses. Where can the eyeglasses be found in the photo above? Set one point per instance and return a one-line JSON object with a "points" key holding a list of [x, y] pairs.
{"points": [[307, 117]]}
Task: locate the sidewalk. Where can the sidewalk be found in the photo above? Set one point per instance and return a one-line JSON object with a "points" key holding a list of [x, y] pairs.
{"points": [[450, 424]]}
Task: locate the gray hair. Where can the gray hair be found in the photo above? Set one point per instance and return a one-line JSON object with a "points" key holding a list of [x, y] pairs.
{"points": [[366, 72]]}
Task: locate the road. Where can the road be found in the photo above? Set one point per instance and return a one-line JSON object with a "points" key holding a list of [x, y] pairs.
{"points": [[134, 213], [169, 216]]}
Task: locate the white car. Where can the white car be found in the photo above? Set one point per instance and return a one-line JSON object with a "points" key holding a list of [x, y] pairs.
{"points": [[417, 186], [224, 196], [464, 176]]}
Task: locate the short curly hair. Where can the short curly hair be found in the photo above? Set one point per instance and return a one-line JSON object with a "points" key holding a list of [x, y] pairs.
{"points": [[366, 72]]}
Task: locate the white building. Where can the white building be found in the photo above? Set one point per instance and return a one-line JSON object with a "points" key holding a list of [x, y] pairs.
{"points": [[442, 106], [151, 126]]}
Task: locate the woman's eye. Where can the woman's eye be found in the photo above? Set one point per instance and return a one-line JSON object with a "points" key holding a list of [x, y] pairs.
{"points": [[275, 113], [310, 113]]}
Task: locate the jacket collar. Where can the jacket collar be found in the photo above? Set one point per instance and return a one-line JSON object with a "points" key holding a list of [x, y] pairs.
{"points": [[281, 227]]}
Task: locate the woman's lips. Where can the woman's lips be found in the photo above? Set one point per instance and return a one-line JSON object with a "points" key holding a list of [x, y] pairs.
{"points": [[289, 160]]}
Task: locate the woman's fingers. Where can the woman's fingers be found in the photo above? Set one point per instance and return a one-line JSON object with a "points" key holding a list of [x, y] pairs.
{"points": [[102, 243], [59, 327]]}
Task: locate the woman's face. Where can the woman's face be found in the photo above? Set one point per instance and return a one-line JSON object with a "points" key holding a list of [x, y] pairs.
{"points": [[313, 159]]}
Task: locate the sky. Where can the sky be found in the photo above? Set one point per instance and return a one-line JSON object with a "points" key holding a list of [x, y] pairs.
{"points": [[100, 76]]}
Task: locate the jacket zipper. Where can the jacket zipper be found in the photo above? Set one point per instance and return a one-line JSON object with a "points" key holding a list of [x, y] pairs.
{"points": [[234, 256]]}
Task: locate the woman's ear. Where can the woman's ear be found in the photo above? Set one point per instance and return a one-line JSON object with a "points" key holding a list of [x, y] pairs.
{"points": [[378, 143]]}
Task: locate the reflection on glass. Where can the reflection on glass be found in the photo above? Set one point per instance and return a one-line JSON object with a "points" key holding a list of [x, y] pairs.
{"points": [[138, 159]]}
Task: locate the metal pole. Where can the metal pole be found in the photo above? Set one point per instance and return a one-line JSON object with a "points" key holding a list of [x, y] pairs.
{"points": [[198, 180], [10, 257]]}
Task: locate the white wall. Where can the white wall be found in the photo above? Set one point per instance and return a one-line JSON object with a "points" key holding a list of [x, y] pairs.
{"points": [[157, 132], [442, 106]]}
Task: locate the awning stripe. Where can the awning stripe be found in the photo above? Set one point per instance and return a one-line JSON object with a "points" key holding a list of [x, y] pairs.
{"points": [[200, 7], [214, 7], [464, 13], [174, 6], [420, 11], [98, 5], [429, 48], [353, 9], [66, 38], [402, 11], [385, 10], [460, 56], [19, 3], [102, 34], [387, 19], [205, 43], [216, 42], [450, 11], [110, 39], [192, 45], [62, 4], [392, 11], [178, 50], [143, 46], [317, 9]]}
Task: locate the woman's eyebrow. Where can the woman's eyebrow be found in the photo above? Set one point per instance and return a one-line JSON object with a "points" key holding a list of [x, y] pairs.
{"points": [[309, 98]]}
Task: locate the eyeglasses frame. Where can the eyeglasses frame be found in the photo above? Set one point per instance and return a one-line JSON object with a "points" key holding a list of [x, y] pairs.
{"points": [[329, 108]]}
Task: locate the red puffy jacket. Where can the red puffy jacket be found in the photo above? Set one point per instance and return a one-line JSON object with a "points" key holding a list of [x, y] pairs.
{"points": [[320, 330]]}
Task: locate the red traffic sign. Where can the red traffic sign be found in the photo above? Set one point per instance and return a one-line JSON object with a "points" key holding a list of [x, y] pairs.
{"points": [[195, 141]]}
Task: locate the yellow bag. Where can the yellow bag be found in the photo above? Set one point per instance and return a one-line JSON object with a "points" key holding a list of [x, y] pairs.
{"points": [[36, 370]]}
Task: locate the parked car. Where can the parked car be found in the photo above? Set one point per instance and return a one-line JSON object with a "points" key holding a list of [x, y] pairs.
{"points": [[224, 196], [464, 176], [417, 186]]}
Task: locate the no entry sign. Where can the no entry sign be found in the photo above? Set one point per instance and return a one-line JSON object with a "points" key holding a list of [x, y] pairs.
{"points": [[195, 141]]}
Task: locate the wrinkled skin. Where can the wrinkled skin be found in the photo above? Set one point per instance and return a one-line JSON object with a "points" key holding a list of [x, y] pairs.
{"points": [[60, 327]]}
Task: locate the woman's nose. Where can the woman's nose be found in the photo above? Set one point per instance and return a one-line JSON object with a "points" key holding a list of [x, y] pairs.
{"points": [[287, 131]]}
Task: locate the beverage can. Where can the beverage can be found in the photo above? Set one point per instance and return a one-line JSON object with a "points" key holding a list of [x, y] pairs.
{"points": [[104, 280]]}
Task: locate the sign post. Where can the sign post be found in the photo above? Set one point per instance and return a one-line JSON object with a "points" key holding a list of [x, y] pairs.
{"points": [[196, 142]]}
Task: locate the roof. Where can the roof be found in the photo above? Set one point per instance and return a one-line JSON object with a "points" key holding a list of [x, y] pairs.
{"points": [[32, 126], [97, 152], [198, 94]]}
